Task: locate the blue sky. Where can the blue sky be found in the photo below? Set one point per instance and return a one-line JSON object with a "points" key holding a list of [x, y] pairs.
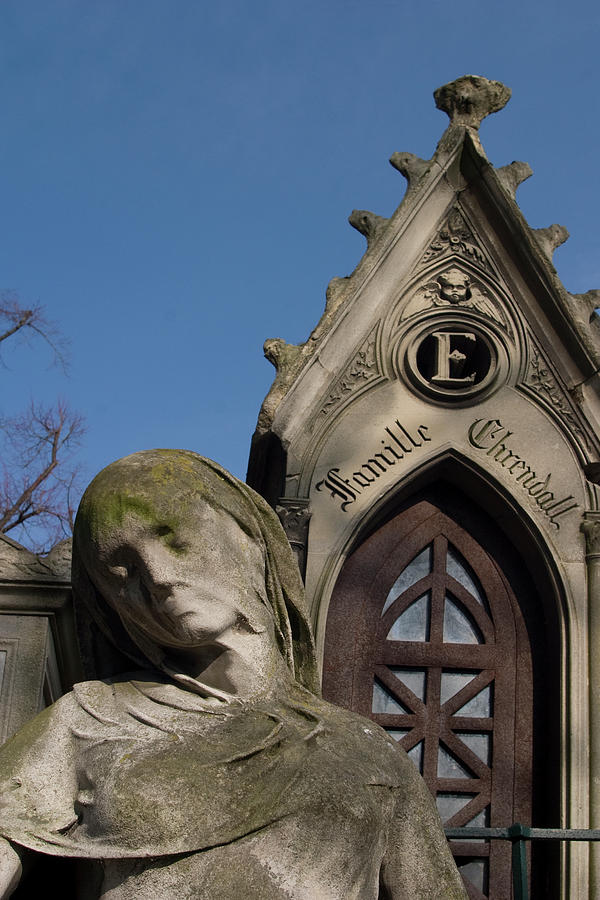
{"points": [[175, 180]]}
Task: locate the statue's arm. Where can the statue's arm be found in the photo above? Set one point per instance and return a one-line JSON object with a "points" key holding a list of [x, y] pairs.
{"points": [[11, 867], [418, 864]]}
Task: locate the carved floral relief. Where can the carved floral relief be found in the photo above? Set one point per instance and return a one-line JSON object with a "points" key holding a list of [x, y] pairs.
{"points": [[362, 369], [540, 378], [455, 237]]}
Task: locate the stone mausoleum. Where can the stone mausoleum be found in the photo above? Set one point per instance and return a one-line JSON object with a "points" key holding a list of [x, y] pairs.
{"points": [[433, 452]]}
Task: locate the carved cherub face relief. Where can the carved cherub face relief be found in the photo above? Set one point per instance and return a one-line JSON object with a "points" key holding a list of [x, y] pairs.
{"points": [[454, 286]]}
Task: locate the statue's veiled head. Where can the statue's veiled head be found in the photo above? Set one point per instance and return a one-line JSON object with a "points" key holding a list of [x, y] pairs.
{"points": [[170, 552]]}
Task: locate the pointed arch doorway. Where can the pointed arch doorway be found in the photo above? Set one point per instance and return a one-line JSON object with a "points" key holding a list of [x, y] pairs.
{"points": [[435, 632]]}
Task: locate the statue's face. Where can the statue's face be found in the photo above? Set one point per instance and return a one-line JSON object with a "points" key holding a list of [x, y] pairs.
{"points": [[454, 286], [183, 585]]}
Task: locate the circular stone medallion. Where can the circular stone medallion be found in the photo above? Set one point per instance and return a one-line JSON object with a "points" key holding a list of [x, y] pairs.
{"points": [[452, 361]]}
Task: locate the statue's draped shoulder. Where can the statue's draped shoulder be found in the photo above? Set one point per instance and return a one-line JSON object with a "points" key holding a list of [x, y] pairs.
{"points": [[122, 768]]}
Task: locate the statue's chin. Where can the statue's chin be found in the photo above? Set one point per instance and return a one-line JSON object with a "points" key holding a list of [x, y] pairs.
{"points": [[183, 629]]}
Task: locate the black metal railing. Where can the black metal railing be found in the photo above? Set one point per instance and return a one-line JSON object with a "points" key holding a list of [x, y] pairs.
{"points": [[518, 835]]}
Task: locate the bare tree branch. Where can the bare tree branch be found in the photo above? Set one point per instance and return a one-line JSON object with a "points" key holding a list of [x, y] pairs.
{"points": [[19, 322], [38, 478], [39, 484], [15, 319]]}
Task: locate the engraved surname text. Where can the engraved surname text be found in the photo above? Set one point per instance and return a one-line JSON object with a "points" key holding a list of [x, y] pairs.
{"points": [[491, 437]]}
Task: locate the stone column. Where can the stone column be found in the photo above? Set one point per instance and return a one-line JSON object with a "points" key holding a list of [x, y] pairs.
{"points": [[591, 529], [294, 514]]}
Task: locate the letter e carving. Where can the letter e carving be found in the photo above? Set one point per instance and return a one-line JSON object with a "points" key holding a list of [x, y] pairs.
{"points": [[450, 359]]}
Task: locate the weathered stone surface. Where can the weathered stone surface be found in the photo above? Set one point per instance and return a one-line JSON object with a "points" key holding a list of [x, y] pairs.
{"points": [[412, 167], [369, 224], [59, 559], [214, 769], [281, 354], [469, 99], [334, 292], [550, 238], [581, 310], [588, 303], [514, 174], [17, 563]]}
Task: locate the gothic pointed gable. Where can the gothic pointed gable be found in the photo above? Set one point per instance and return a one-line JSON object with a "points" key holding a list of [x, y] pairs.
{"points": [[456, 256]]}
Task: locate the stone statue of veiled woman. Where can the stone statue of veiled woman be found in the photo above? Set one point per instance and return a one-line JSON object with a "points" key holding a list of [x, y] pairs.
{"points": [[201, 762]]}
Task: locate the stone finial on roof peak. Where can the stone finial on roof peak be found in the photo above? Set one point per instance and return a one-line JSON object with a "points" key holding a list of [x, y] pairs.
{"points": [[471, 98]]}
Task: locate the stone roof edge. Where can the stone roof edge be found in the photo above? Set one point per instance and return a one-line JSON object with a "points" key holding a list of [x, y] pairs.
{"points": [[18, 564]]}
